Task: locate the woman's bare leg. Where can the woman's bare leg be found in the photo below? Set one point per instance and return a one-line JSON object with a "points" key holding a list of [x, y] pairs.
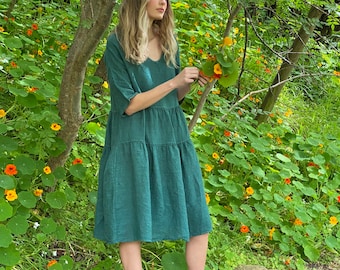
{"points": [[130, 254], [196, 252]]}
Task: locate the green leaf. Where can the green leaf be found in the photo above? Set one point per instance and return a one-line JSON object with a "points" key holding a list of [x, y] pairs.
{"points": [[9, 256], [13, 43], [27, 199], [60, 233], [7, 144], [66, 262], [93, 197], [6, 182], [25, 165], [5, 236], [282, 158], [56, 199], [29, 101], [78, 171], [92, 127], [257, 171], [6, 210], [231, 78], [48, 180], [18, 91], [18, 225], [174, 261], [331, 242], [208, 68], [311, 252], [48, 225]]}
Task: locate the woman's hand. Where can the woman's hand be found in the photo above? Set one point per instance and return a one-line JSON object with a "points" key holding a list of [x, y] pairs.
{"points": [[186, 77], [202, 79]]}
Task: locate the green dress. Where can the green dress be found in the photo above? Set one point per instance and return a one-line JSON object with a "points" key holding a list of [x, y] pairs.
{"points": [[150, 183]]}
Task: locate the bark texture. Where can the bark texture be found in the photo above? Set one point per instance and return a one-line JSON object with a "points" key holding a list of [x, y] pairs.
{"points": [[94, 20], [288, 64]]}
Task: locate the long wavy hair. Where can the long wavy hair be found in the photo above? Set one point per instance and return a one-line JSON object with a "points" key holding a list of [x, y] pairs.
{"points": [[132, 31]]}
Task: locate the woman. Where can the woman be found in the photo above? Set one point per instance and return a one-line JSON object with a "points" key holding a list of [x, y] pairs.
{"points": [[150, 183]]}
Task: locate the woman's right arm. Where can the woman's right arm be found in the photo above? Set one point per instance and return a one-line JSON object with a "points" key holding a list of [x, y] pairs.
{"points": [[144, 100]]}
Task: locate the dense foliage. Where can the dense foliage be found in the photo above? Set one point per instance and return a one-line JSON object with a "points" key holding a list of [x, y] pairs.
{"points": [[273, 187]]}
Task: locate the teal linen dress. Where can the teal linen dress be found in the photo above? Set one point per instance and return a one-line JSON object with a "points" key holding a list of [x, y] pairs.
{"points": [[150, 183]]}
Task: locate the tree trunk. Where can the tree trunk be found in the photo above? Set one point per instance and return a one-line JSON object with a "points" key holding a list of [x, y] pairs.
{"points": [[94, 20], [288, 65], [10, 8]]}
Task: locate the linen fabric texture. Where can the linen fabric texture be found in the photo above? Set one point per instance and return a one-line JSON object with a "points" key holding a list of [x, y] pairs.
{"points": [[150, 186]]}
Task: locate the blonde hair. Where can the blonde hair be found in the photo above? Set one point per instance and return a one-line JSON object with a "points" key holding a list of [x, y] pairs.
{"points": [[132, 31]]}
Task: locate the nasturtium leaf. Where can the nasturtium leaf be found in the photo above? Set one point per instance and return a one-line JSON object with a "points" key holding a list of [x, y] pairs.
{"points": [[61, 233], [3, 128], [7, 144], [6, 210], [311, 252], [208, 68], [18, 225], [283, 158], [21, 91], [56, 266], [66, 262], [6, 182], [27, 199], [48, 180], [9, 256], [5, 236], [29, 101], [78, 171], [174, 261], [13, 43], [92, 127], [93, 197], [56, 199], [332, 242], [48, 225], [257, 171], [25, 165]]}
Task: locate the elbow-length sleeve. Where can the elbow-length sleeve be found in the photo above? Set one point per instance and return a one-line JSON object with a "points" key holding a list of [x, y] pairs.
{"points": [[121, 87]]}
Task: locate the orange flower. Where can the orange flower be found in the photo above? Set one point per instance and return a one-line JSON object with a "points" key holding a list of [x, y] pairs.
{"points": [[35, 26], [287, 181], [271, 232], [249, 191], [14, 65], [29, 32], [77, 161], [227, 133], [298, 222], [38, 192], [32, 89], [208, 168], [244, 229], [11, 195], [227, 41], [215, 156], [63, 47], [52, 262], [11, 169], [47, 170], [252, 150], [2, 29], [217, 69]]}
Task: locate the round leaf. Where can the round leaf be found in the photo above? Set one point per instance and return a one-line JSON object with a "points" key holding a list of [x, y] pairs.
{"points": [[66, 262], [25, 165], [174, 261], [56, 199], [13, 43], [6, 182], [7, 144], [9, 256], [5, 236], [6, 210], [48, 225], [27, 199], [18, 225], [78, 171]]}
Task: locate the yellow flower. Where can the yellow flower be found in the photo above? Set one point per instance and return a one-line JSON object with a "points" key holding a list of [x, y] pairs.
{"points": [[288, 198], [249, 191], [97, 61], [207, 35], [40, 53], [105, 85], [279, 121], [2, 113], [288, 113], [208, 167], [2, 29], [271, 232], [55, 127], [207, 198], [236, 30], [215, 156], [193, 39], [11, 195], [217, 69], [333, 220], [63, 47], [227, 41], [38, 192], [47, 170], [213, 26], [270, 135]]}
